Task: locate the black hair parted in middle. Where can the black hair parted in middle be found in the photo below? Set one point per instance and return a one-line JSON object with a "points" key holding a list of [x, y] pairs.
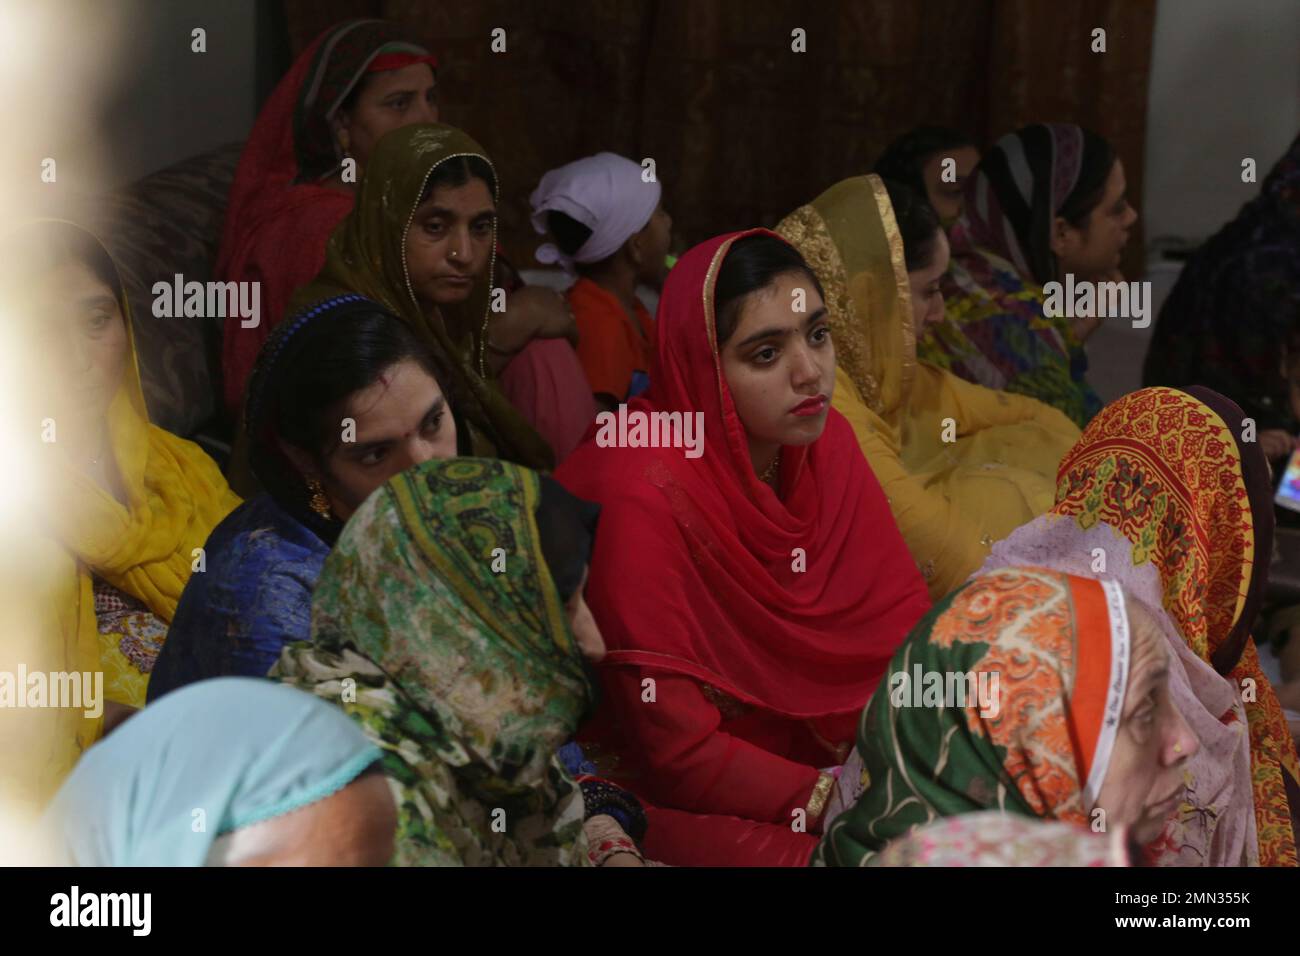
{"points": [[456, 171], [307, 370], [752, 263]]}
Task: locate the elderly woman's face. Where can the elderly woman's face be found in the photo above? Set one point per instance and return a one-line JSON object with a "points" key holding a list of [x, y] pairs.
{"points": [[1144, 782], [81, 343]]}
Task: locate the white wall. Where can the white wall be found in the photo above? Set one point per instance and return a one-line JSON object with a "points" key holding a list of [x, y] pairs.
{"points": [[1225, 85], [169, 102], [109, 90]]}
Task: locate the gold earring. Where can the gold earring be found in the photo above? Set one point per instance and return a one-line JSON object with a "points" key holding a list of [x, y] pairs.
{"points": [[319, 503]]}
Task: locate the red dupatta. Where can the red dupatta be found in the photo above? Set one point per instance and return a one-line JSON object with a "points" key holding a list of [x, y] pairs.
{"points": [[279, 218], [694, 564]]}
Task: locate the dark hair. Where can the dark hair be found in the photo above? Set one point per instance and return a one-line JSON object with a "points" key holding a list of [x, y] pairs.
{"points": [[457, 171], [306, 371], [1094, 170], [752, 263], [354, 94], [918, 224], [566, 527], [904, 158], [569, 234], [48, 244]]}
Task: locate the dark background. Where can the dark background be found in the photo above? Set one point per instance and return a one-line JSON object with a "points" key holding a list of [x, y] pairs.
{"points": [[741, 128]]}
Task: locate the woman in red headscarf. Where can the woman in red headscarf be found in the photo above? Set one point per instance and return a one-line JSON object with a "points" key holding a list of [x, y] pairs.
{"points": [[750, 583], [295, 184], [352, 84]]}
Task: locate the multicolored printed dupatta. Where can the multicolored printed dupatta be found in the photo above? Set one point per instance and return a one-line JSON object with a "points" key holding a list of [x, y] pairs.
{"points": [[437, 603], [1058, 648], [1167, 469], [995, 332]]}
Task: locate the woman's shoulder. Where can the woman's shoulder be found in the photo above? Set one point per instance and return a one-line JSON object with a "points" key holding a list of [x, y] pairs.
{"points": [[259, 537]]}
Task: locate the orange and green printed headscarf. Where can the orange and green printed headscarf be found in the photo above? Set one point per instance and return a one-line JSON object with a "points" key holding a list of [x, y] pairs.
{"points": [[1052, 651], [1179, 475]]}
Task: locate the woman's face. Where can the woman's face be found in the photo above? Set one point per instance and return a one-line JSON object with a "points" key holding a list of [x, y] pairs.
{"points": [[353, 827], [1144, 781], [1093, 252], [927, 300], [449, 243], [401, 420], [585, 631], [82, 347], [780, 365], [946, 198], [388, 100]]}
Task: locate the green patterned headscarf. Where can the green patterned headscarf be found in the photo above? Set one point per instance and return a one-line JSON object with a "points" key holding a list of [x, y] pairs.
{"points": [[1050, 652], [438, 605], [367, 254]]}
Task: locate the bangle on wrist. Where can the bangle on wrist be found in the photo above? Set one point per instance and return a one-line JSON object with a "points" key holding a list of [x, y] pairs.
{"points": [[821, 792], [603, 850]]}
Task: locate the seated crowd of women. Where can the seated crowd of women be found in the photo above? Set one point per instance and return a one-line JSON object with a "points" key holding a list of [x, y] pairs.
{"points": [[448, 624]]}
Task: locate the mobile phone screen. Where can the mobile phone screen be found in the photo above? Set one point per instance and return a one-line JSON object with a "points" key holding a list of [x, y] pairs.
{"points": [[1288, 491]]}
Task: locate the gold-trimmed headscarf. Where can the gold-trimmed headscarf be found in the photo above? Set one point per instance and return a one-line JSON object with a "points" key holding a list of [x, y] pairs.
{"points": [[850, 238]]}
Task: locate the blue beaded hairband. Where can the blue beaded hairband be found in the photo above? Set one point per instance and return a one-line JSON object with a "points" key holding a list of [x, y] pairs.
{"points": [[280, 338]]}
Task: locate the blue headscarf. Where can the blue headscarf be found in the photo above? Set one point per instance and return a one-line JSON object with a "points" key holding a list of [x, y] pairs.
{"points": [[211, 758]]}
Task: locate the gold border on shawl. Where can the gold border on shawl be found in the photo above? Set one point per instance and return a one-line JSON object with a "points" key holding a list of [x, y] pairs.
{"points": [[899, 263], [710, 326], [492, 259], [821, 791], [806, 229]]}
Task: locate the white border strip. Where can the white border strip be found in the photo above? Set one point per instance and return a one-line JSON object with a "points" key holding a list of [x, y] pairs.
{"points": [[1120, 650]]}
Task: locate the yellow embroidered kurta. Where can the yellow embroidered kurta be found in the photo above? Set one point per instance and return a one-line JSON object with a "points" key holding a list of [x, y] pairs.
{"points": [[962, 465]]}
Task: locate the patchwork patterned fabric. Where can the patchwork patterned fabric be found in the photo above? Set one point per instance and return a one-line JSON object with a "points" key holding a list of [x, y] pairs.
{"points": [[1163, 469]]}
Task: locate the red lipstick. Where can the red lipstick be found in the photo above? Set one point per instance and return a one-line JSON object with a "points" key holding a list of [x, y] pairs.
{"points": [[811, 406]]}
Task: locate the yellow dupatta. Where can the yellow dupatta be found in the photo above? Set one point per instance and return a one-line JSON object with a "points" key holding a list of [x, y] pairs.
{"points": [[951, 498], [175, 496]]}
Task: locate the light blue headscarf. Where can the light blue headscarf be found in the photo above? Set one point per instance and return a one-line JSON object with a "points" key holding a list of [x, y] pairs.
{"points": [[210, 758]]}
